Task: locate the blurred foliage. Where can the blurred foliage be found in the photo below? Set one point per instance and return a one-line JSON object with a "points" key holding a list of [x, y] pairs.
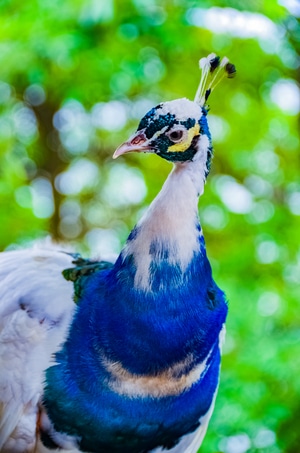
{"points": [[76, 77]]}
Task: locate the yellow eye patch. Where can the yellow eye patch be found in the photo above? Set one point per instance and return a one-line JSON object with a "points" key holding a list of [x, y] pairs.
{"points": [[183, 146]]}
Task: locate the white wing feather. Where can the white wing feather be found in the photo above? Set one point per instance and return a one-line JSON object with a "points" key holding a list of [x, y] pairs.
{"points": [[36, 309]]}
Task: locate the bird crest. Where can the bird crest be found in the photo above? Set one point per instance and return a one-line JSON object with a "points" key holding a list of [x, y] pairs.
{"points": [[213, 71]]}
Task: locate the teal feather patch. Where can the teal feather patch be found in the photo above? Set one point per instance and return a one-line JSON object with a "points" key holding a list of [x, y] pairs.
{"points": [[82, 270]]}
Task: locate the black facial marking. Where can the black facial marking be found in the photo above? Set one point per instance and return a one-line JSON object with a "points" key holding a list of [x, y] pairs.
{"points": [[158, 124], [161, 144], [179, 156], [153, 123], [190, 122], [147, 118]]}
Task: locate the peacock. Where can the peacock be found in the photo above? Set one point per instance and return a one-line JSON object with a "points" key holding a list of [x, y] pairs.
{"points": [[121, 357]]}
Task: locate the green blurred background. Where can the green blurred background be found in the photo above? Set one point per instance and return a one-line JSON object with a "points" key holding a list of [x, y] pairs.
{"points": [[76, 77]]}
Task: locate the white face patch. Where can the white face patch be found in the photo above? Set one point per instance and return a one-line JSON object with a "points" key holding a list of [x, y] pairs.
{"points": [[183, 109]]}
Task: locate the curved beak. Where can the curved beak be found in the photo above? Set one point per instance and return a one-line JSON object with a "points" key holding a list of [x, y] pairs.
{"points": [[138, 143]]}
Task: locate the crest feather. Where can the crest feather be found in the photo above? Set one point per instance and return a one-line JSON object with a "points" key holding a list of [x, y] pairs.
{"points": [[213, 71]]}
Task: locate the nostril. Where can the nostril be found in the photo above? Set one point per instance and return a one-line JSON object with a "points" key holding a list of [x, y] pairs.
{"points": [[137, 140]]}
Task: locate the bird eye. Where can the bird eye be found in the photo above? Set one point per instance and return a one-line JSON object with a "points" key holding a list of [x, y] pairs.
{"points": [[176, 135]]}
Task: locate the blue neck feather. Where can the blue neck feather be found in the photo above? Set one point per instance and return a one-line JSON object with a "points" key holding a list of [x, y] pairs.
{"points": [[149, 330], [178, 315]]}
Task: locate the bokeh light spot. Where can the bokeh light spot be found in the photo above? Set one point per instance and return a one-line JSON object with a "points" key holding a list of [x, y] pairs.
{"points": [[24, 122], [268, 303], [35, 94], [82, 174], [286, 95], [267, 252], [293, 201], [262, 212], [235, 197], [5, 92], [111, 116], [240, 443], [214, 217], [219, 128], [266, 161], [124, 186], [42, 198], [104, 243]]}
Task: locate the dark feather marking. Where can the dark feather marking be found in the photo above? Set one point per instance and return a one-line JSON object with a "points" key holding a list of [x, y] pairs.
{"points": [[133, 234], [47, 441], [82, 270], [207, 93], [204, 130], [231, 70], [213, 298], [161, 122], [157, 252], [190, 122], [148, 117], [214, 64]]}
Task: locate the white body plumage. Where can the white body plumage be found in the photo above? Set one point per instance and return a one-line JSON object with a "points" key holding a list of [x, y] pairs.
{"points": [[36, 309]]}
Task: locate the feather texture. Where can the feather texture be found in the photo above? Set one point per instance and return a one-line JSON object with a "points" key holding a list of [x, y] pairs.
{"points": [[31, 329], [151, 327], [134, 366]]}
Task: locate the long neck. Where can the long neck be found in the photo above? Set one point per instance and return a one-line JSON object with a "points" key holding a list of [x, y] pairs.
{"points": [[169, 232], [148, 326], [158, 305]]}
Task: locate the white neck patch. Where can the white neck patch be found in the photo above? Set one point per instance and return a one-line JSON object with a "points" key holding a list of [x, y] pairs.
{"points": [[169, 221]]}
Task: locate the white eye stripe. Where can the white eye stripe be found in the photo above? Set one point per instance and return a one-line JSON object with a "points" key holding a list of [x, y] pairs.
{"points": [[158, 133]]}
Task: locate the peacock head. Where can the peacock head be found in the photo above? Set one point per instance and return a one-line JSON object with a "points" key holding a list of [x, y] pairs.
{"points": [[174, 129]]}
